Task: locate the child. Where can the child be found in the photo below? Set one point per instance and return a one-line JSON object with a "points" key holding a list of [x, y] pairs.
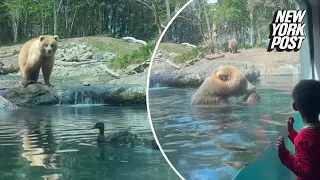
{"points": [[306, 162]]}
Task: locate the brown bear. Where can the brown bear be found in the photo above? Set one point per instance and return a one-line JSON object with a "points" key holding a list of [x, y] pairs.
{"points": [[232, 46], [36, 54], [224, 82]]}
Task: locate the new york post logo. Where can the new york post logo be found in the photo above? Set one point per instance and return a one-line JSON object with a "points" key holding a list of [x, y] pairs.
{"points": [[287, 30]]}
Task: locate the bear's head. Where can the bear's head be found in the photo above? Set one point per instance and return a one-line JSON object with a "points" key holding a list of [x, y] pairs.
{"points": [[48, 44], [229, 81]]}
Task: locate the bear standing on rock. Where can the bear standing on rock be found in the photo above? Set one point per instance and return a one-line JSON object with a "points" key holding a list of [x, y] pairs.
{"points": [[232, 46], [223, 83], [36, 54]]}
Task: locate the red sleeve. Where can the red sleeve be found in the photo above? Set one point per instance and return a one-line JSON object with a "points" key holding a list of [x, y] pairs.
{"points": [[292, 135], [300, 164]]}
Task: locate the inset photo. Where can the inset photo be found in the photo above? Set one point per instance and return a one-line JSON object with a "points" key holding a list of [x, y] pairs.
{"points": [[217, 98]]}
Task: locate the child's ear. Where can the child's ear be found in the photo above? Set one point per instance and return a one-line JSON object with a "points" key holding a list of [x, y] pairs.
{"points": [[294, 106]]}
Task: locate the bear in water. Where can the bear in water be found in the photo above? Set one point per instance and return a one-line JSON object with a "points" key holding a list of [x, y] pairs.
{"points": [[36, 54], [225, 82]]}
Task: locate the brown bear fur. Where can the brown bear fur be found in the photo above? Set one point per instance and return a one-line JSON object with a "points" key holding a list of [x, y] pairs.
{"points": [[232, 46], [224, 82], [36, 54]]}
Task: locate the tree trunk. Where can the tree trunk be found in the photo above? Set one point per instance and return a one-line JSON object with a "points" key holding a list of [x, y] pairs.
{"points": [[66, 17], [168, 10], [15, 30], [156, 16], [26, 24], [251, 28], [56, 10], [42, 26]]}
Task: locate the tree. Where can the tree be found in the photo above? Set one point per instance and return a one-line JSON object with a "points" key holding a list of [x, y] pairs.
{"points": [[15, 8]]}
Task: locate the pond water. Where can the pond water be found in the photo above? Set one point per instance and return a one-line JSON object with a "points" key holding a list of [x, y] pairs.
{"points": [[57, 142], [215, 143]]}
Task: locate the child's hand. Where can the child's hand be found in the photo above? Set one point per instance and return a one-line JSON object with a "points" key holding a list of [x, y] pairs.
{"points": [[280, 144], [290, 122]]}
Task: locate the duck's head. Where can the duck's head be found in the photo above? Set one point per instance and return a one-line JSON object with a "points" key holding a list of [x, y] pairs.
{"points": [[99, 125]]}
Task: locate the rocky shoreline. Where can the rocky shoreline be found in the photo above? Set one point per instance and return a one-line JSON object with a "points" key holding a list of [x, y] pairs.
{"points": [[192, 73], [38, 95]]}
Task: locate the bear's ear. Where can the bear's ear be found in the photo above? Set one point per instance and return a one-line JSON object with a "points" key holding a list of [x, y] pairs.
{"points": [[56, 37], [41, 38]]}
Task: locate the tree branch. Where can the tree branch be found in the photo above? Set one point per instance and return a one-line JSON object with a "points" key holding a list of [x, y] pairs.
{"points": [[144, 4]]}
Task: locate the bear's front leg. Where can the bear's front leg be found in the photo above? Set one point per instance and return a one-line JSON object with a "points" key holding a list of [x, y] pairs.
{"points": [[46, 71], [25, 82]]}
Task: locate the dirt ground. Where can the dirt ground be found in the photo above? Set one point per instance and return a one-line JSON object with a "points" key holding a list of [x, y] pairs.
{"points": [[261, 56]]}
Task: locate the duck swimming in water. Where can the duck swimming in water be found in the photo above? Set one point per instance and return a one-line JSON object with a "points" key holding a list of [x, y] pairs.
{"points": [[116, 137], [123, 137]]}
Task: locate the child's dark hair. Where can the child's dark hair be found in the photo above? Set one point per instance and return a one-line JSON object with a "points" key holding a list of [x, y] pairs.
{"points": [[306, 95]]}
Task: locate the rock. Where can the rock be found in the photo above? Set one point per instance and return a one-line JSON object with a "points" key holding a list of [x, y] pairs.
{"points": [[34, 94], [5, 84], [185, 80], [70, 58], [38, 94], [214, 56], [86, 83], [88, 55], [108, 56], [6, 104], [137, 79], [14, 52], [4, 70], [98, 56], [193, 76]]}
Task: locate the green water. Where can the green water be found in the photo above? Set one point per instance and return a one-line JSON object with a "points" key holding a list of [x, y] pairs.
{"points": [[207, 143], [57, 143]]}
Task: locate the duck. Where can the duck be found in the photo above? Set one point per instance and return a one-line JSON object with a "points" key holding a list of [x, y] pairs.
{"points": [[116, 137], [124, 137]]}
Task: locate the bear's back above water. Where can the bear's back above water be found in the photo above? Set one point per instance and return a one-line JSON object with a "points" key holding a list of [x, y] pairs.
{"points": [[36, 54]]}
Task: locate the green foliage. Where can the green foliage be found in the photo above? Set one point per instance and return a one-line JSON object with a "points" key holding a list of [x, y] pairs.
{"points": [[135, 57], [198, 52]]}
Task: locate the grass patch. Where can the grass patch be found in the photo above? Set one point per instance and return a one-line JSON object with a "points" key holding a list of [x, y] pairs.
{"points": [[107, 44], [198, 52], [140, 55], [173, 48]]}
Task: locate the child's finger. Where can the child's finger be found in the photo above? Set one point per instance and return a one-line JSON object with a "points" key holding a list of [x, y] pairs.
{"points": [[291, 120]]}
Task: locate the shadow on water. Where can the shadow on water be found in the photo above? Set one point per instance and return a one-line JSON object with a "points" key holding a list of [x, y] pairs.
{"points": [[57, 142], [215, 143]]}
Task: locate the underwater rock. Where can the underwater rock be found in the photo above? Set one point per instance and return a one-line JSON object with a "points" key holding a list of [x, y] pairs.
{"points": [[5, 104], [38, 94]]}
